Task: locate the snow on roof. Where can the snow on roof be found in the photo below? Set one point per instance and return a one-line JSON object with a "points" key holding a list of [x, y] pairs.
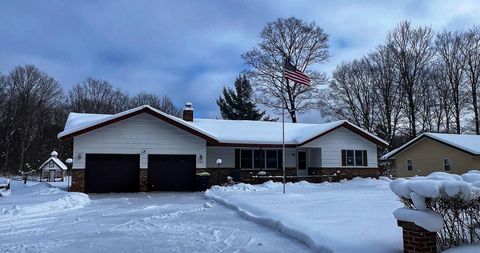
{"points": [[79, 121], [466, 142], [225, 131], [55, 160], [262, 132]]}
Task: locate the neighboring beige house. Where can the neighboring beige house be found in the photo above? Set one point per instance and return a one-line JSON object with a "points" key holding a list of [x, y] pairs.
{"points": [[431, 152]]}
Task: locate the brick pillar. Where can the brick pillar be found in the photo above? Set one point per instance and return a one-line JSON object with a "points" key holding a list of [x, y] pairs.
{"points": [[78, 181], [143, 180], [416, 239]]}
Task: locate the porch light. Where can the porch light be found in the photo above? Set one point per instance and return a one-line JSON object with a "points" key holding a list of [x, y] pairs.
{"points": [[200, 157], [79, 156]]}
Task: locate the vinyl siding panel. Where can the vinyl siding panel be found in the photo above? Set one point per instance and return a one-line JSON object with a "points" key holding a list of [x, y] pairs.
{"points": [[227, 155], [315, 157], [332, 144], [141, 134]]}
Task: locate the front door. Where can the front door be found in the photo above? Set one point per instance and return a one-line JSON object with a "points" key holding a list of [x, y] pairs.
{"points": [[302, 169], [52, 176]]}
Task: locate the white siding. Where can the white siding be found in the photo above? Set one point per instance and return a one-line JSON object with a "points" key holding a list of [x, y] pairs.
{"points": [[290, 158], [227, 154], [342, 138], [315, 157], [141, 134]]}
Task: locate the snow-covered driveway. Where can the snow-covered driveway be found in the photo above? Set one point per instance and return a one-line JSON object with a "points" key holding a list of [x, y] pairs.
{"points": [[142, 222]]}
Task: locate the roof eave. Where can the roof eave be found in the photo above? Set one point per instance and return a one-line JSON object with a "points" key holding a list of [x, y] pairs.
{"points": [[143, 109], [418, 138], [351, 127]]}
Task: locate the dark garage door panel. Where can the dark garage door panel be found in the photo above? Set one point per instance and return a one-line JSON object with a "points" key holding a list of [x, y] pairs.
{"points": [[112, 173], [171, 172]]}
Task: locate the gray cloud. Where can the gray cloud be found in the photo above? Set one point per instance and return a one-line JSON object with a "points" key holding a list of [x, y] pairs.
{"points": [[189, 49]]}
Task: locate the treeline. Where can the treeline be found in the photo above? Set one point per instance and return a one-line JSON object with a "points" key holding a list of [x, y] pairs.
{"points": [[417, 81], [34, 108]]}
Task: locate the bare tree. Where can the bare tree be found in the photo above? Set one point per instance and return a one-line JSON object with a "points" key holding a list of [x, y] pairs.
{"points": [[164, 103], [305, 45], [412, 51], [471, 65], [387, 92], [97, 96], [32, 95], [448, 46], [442, 105], [351, 96]]}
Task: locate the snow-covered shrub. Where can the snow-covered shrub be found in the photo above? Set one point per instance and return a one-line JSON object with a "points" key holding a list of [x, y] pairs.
{"points": [[456, 198]]}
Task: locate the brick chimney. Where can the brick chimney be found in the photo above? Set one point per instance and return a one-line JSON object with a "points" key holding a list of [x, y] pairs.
{"points": [[188, 112]]}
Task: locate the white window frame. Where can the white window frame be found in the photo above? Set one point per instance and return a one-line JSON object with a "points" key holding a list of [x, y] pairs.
{"points": [[410, 165], [363, 163], [449, 163]]}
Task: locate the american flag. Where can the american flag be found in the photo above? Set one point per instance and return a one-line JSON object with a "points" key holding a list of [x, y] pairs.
{"points": [[293, 74]]}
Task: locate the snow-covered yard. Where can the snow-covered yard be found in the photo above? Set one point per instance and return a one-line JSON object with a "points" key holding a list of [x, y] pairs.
{"points": [[44, 219], [351, 216]]}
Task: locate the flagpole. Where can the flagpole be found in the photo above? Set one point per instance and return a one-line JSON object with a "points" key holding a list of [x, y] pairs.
{"points": [[283, 127]]}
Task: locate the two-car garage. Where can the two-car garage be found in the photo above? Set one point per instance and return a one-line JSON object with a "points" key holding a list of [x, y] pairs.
{"points": [[121, 173], [141, 149]]}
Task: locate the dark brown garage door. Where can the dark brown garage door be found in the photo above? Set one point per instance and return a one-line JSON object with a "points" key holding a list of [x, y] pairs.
{"points": [[171, 172], [111, 173]]}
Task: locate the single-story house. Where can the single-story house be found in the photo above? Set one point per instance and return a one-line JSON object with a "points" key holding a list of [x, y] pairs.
{"points": [[53, 169], [431, 152], [144, 149]]}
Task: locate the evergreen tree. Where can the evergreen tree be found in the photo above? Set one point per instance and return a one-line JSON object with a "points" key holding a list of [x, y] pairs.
{"points": [[238, 104]]}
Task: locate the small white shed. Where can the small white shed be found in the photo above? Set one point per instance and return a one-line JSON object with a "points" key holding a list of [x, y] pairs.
{"points": [[53, 169]]}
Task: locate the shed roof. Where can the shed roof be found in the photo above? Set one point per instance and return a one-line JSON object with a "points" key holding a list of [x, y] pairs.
{"points": [[56, 161]]}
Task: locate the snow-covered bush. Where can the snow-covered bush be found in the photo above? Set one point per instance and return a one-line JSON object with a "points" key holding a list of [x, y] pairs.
{"points": [[456, 198]]}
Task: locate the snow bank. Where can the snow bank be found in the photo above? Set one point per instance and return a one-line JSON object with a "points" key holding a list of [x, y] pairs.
{"points": [[464, 249], [40, 198], [350, 216]]}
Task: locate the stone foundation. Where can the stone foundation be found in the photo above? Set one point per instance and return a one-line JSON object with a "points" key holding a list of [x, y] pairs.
{"points": [[143, 184], [416, 239], [349, 173], [78, 181], [218, 176]]}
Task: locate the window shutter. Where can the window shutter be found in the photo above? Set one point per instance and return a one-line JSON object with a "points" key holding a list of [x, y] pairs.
{"points": [[344, 158], [365, 162], [237, 158]]}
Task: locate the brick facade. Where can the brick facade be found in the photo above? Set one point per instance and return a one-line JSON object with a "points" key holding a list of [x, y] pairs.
{"points": [[416, 239], [143, 184], [78, 181]]}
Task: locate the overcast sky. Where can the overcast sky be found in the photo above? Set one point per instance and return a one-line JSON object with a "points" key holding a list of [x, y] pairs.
{"points": [[189, 50]]}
